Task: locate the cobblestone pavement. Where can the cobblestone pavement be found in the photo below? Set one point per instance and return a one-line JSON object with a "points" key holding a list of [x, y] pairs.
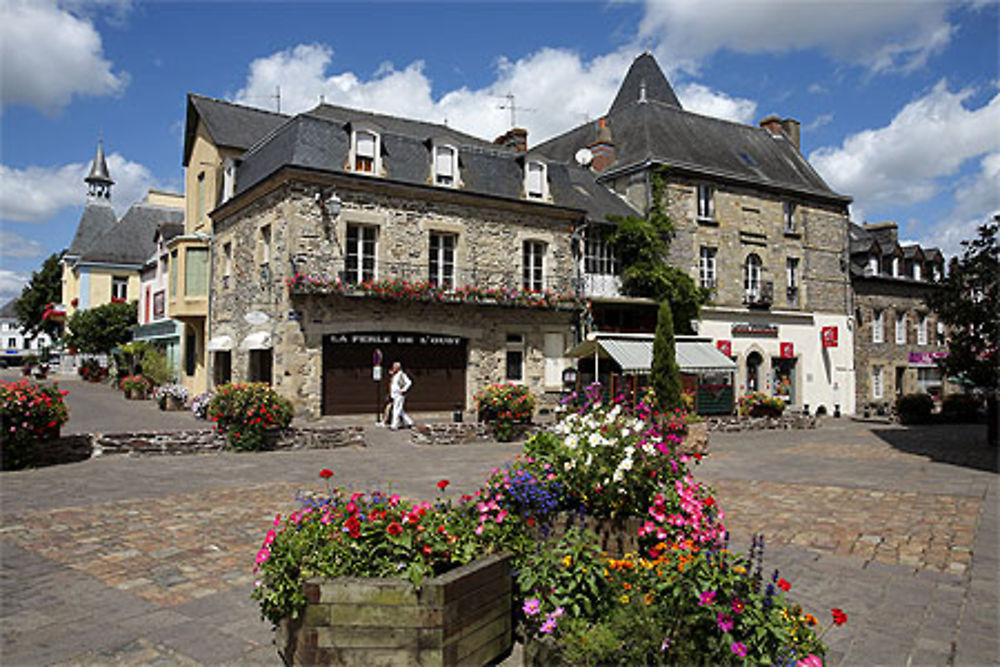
{"points": [[133, 561]]}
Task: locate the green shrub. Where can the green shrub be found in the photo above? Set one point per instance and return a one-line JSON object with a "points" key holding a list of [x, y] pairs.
{"points": [[914, 408], [505, 406], [247, 412], [961, 408], [30, 415]]}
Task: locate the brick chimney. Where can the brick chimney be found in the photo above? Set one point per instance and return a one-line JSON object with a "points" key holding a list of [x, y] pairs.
{"points": [[603, 148], [773, 125], [516, 138], [793, 131]]}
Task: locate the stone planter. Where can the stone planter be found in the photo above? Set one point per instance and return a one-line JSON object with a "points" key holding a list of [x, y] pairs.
{"points": [[461, 617], [172, 404], [765, 411], [135, 394]]}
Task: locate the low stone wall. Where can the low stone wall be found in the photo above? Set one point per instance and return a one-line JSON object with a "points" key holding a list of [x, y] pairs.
{"points": [[454, 433], [784, 422]]}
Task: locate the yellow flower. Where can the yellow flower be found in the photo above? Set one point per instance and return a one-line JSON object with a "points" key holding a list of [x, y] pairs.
{"points": [[624, 599], [809, 619], [648, 599], [567, 561], [739, 569]]}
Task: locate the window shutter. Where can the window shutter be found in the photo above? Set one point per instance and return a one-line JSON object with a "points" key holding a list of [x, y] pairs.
{"points": [[535, 175], [445, 161], [365, 145]]}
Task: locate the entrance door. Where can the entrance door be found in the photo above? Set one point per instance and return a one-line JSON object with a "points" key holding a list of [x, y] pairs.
{"points": [[900, 374], [784, 379], [754, 360]]}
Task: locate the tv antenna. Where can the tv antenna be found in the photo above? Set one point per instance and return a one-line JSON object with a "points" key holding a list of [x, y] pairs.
{"points": [[512, 106], [276, 97]]}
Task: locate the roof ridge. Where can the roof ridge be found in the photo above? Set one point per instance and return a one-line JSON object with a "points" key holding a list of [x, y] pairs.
{"points": [[393, 117], [238, 105]]}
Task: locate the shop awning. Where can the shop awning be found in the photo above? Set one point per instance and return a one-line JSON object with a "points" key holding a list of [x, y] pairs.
{"points": [[634, 353], [220, 344], [702, 357], [259, 340]]}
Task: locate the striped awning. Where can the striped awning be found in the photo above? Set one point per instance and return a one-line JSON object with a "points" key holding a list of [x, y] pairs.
{"points": [[634, 354], [702, 357]]}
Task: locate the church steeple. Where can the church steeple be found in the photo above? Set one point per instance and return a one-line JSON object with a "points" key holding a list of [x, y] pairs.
{"points": [[99, 181], [644, 82]]}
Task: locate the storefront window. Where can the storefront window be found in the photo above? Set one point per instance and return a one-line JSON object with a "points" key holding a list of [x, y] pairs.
{"points": [[783, 379]]}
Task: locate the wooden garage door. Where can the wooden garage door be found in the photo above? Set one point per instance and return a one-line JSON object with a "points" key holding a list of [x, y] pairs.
{"points": [[436, 364]]}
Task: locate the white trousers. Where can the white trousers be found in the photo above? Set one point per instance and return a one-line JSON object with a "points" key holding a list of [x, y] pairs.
{"points": [[398, 414]]}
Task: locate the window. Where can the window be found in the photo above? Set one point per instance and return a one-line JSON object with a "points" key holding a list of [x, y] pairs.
{"points": [[792, 279], [228, 179], [937, 272], [365, 152], [598, 255], [442, 260], [922, 330], [119, 289], [534, 180], [532, 263], [515, 357], [751, 276], [12, 342], [201, 198], [878, 326], [190, 352], [196, 272], [895, 267], [264, 246], [159, 305], [706, 267], [901, 329], [227, 264], [361, 248], [222, 369], [706, 202], [872, 269], [878, 381], [941, 339], [929, 379], [146, 305], [260, 367], [917, 271], [788, 209], [173, 273], [445, 165]]}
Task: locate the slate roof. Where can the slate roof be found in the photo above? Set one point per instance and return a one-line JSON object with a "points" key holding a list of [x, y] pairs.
{"points": [[320, 140], [169, 230], [882, 238], [229, 125], [659, 130], [130, 241], [98, 217], [7, 310]]}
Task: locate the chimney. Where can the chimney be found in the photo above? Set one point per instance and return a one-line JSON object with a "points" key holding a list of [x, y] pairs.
{"points": [[773, 125], [792, 129], [516, 138], [603, 147]]}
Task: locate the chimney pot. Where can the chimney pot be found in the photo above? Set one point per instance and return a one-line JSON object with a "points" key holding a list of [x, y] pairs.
{"points": [[516, 138], [773, 125], [603, 147], [793, 130]]}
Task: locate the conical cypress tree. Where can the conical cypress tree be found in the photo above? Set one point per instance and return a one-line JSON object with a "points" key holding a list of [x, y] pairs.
{"points": [[666, 375]]}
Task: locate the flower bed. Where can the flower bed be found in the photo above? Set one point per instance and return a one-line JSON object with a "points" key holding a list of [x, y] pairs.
{"points": [[507, 408], [136, 387], [92, 371], [759, 404], [251, 415], [171, 396], [30, 416]]}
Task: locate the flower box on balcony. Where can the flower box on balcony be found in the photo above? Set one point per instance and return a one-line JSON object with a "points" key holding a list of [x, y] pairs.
{"points": [[460, 617]]}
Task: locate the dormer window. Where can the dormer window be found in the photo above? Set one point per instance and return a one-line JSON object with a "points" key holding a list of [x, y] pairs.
{"points": [[534, 180], [872, 265], [937, 272], [365, 152], [445, 166], [895, 267], [228, 179], [917, 271]]}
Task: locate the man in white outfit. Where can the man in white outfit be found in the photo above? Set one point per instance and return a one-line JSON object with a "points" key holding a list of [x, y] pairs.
{"points": [[398, 386]]}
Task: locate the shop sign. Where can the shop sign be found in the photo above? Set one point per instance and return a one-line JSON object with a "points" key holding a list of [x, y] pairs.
{"points": [[829, 336], [431, 340], [753, 329], [925, 358], [725, 347], [787, 350]]}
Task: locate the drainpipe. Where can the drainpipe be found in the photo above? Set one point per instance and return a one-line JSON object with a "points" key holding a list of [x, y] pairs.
{"points": [[208, 315]]}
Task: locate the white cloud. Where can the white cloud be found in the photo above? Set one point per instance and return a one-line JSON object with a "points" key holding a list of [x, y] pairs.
{"points": [[818, 122], [976, 201], [11, 284], [908, 160], [35, 194], [881, 36], [555, 88], [48, 55], [18, 247]]}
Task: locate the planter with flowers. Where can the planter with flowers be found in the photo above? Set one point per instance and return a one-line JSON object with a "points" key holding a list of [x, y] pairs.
{"points": [[136, 387], [759, 404], [92, 371], [252, 415], [200, 403], [172, 397], [508, 409], [30, 416]]}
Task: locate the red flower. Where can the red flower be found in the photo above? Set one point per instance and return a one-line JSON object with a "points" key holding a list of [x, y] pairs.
{"points": [[326, 473], [427, 550], [839, 617], [394, 528], [443, 484], [784, 585]]}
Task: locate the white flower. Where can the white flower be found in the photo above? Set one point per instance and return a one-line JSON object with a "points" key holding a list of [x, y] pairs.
{"points": [[571, 441], [590, 457], [570, 465]]}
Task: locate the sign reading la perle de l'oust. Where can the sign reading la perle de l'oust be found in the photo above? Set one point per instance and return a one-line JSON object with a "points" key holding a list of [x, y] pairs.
{"points": [[393, 338]]}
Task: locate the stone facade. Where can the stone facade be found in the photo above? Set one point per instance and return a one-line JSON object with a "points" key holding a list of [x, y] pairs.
{"points": [[305, 239]]}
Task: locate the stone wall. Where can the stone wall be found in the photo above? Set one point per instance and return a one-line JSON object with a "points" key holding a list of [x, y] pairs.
{"points": [[784, 422]]}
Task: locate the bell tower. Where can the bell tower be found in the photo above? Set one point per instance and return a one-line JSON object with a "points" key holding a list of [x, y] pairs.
{"points": [[99, 181]]}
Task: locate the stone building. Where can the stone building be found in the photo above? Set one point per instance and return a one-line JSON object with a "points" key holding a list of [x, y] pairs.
{"points": [[354, 239], [897, 337], [754, 223]]}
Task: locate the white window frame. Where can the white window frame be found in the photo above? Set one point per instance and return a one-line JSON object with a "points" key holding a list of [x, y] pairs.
{"points": [[377, 148], [598, 254], [707, 267], [227, 263], [922, 330], [515, 343], [788, 209], [878, 326], [441, 258], [901, 329], [228, 179], [895, 267], [917, 271], [541, 192], [878, 382], [872, 265], [753, 268], [264, 240], [706, 201], [366, 237], [936, 271], [440, 178], [119, 288], [533, 265]]}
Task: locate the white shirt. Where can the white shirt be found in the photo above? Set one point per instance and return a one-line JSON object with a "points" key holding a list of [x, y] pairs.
{"points": [[400, 384]]}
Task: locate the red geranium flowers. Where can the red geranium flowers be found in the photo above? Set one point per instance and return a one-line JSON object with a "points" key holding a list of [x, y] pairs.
{"points": [[443, 484], [839, 617], [784, 585], [326, 473]]}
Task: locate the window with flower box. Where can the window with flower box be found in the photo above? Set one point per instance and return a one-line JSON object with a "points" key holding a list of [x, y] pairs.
{"points": [[533, 266], [360, 261], [441, 265]]}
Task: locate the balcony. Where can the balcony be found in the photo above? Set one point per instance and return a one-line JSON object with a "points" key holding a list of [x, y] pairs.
{"points": [[601, 285], [763, 297], [398, 281]]}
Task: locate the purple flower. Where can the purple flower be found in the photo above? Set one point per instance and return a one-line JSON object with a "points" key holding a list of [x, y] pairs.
{"points": [[531, 606], [739, 648], [548, 626], [724, 622], [706, 598]]}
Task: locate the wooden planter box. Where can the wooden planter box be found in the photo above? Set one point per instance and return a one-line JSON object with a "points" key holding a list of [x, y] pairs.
{"points": [[135, 395], [617, 537], [462, 617]]}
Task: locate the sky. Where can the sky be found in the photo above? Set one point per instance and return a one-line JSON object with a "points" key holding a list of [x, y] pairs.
{"points": [[899, 100]]}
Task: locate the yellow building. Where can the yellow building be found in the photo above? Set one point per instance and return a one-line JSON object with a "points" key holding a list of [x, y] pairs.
{"points": [[217, 133], [104, 260]]}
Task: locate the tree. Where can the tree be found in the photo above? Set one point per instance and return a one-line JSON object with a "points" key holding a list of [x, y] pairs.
{"points": [[44, 289], [642, 246], [968, 303], [666, 375], [99, 330]]}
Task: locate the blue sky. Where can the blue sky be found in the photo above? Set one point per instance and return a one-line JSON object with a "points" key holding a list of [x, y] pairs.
{"points": [[899, 101]]}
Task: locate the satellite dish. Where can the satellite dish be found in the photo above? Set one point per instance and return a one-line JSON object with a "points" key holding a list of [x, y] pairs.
{"points": [[584, 157]]}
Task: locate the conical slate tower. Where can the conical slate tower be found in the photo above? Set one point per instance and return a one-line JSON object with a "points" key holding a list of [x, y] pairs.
{"points": [[99, 181]]}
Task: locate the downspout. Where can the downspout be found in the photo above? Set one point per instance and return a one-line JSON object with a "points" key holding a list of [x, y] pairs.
{"points": [[208, 315]]}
